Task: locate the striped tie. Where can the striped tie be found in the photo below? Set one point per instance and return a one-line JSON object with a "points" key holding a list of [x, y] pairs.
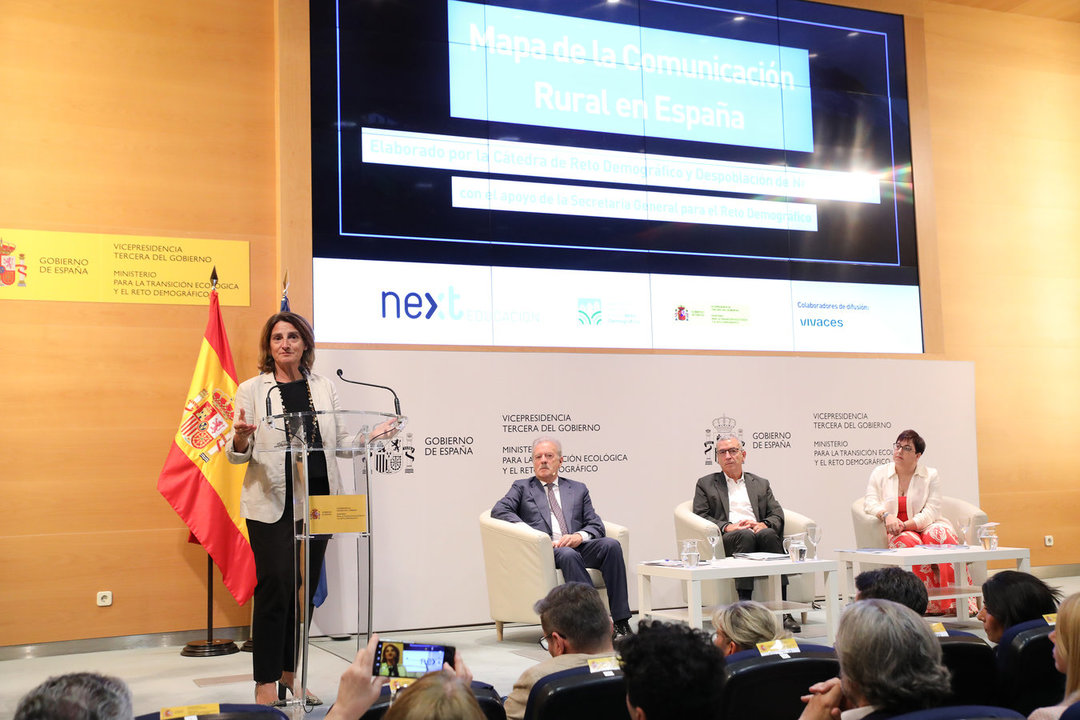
{"points": [[556, 509]]}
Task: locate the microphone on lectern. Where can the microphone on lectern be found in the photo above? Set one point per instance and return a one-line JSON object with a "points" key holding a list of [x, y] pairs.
{"points": [[397, 403]]}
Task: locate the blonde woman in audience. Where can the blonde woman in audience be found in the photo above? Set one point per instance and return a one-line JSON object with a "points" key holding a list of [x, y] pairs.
{"points": [[742, 625], [1066, 639], [436, 696], [442, 695]]}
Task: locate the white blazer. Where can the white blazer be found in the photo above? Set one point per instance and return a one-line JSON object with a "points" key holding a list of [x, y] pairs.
{"points": [[263, 496], [923, 495]]}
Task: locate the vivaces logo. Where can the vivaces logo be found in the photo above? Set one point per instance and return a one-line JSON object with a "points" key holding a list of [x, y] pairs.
{"points": [[422, 305]]}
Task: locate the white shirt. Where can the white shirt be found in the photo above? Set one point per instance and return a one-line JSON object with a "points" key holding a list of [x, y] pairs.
{"points": [[739, 507]]}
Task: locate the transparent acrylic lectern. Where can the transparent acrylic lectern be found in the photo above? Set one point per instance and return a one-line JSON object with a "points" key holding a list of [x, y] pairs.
{"points": [[352, 442]]}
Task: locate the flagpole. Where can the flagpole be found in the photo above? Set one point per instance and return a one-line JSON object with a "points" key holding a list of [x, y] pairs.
{"points": [[210, 647]]}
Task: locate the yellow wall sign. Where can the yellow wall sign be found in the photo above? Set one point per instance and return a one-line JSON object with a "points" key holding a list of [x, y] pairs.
{"points": [[332, 514], [84, 267]]}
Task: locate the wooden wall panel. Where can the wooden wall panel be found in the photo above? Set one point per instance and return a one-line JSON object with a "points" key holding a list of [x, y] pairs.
{"points": [[157, 579], [1004, 95], [133, 118]]}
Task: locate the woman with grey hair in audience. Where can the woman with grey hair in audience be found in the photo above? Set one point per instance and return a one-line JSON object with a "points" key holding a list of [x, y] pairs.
{"points": [[77, 696], [742, 625], [890, 664]]}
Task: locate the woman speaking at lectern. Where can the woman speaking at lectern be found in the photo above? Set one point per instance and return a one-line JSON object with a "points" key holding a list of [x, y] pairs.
{"points": [[285, 385]]}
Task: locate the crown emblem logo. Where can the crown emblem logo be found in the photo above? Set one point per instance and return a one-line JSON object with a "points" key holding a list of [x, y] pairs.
{"points": [[724, 425]]}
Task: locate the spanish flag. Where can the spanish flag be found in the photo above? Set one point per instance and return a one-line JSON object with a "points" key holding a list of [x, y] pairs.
{"points": [[198, 480]]}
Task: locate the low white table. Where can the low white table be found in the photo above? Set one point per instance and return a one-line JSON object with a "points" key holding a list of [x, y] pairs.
{"points": [[956, 555], [730, 569]]}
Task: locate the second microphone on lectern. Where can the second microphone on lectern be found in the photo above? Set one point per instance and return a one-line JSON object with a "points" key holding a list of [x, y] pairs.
{"points": [[397, 403]]}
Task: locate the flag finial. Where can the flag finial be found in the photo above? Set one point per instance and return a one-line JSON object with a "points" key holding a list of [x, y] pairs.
{"points": [[285, 292], [213, 278]]}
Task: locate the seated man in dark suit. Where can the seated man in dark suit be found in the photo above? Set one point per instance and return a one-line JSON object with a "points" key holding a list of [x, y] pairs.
{"points": [[743, 507], [577, 628], [561, 508]]}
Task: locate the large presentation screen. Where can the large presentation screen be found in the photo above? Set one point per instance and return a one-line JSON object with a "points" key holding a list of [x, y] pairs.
{"points": [[612, 173]]}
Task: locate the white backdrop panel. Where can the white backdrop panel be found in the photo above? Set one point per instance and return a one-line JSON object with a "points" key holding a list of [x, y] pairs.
{"points": [[636, 429]]}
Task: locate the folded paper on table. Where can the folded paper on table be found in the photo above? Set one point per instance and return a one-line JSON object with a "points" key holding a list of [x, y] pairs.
{"points": [[761, 556]]}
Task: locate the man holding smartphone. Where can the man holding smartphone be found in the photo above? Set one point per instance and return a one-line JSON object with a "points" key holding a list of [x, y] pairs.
{"points": [[576, 629], [561, 508]]}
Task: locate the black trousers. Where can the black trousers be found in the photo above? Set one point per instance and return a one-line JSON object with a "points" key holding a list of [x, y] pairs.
{"points": [[274, 631], [749, 541]]}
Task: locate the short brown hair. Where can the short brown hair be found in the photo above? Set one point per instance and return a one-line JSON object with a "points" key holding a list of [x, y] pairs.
{"points": [[915, 438], [266, 360]]}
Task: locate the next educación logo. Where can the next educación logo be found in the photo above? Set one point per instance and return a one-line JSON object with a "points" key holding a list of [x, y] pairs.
{"points": [[420, 304]]}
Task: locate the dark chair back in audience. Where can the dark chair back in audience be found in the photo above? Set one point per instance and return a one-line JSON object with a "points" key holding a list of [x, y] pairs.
{"points": [[233, 711], [486, 695], [749, 678], [960, 712], [1027, 678], [971, 663], [578, 694]]}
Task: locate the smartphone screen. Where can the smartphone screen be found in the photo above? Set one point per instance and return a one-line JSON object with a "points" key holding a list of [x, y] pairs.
{"points": [[404, 659]]}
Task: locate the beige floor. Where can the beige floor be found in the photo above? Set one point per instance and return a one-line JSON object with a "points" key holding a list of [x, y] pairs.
{"points": [[161, 677]]}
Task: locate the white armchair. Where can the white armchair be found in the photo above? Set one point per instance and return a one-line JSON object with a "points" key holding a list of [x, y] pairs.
{"points": [[520, 568], [870, 532], [689, 526]]}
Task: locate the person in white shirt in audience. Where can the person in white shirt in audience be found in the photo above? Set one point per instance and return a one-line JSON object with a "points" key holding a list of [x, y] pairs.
{"points": [[1066, 639], [576, 628], [890, 664]]}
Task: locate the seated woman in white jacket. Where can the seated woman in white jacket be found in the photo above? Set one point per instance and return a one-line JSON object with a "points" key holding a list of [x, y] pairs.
{"points": [[905, 495]]}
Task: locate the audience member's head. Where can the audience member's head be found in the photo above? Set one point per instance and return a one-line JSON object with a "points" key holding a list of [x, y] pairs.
{"points": [[1066, 638], [672, 671], [889, 658], [742, 625], [893, 583], [1011, 597], [438, 695], [77, 696], [574, 620]]}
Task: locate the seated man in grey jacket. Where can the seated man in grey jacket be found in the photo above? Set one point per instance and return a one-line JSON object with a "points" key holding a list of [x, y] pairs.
{"points": [[743, 506]]}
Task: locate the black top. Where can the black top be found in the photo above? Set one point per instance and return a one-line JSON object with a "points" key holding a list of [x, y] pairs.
{"points": [[296, 398]]}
